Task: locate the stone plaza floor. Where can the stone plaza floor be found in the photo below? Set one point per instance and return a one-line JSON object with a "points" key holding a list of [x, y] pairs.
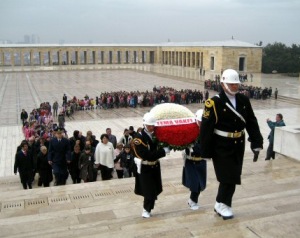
{"points": [[265, 205], [27, 90]]}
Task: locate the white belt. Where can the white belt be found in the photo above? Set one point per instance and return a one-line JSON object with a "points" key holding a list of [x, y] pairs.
{"points": [[146, 162], [229, 134]]}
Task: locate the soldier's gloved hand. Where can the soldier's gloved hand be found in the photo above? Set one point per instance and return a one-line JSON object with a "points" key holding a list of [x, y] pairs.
{"points": [[189, 150], [167, 150], [256, 153]]}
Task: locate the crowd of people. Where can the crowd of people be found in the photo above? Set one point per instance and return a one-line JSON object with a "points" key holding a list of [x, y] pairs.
{"points": [[48, 151], [247, 90], [82, 157], [133, 99]]}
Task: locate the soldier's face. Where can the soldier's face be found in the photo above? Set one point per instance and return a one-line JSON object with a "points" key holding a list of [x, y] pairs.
{"points": [[232, 89], [150, 128]]}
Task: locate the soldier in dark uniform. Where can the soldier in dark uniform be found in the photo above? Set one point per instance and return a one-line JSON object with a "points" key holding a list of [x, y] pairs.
{"points": [[148, 179], [222, 138], [194, 170]]}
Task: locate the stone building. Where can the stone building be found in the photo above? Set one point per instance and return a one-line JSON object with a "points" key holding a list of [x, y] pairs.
{"points": [[208, 57]]}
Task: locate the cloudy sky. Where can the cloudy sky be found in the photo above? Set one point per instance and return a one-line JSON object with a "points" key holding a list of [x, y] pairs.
{"points": [[150, 21]]}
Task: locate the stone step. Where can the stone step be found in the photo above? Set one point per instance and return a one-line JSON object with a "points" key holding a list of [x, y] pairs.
{"points": [[268, 197], [295, 101]]}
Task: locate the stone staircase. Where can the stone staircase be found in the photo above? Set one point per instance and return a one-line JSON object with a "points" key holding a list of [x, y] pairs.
{"points": [[290, 100], [267, 204]]}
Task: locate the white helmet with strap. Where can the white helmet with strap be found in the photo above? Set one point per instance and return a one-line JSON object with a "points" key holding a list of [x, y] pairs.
{"points": [[148, 119], [230, 76]]}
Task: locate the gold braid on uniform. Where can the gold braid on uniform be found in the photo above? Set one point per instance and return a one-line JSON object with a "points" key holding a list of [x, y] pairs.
{"points": [[209, 103], [135, 142]]}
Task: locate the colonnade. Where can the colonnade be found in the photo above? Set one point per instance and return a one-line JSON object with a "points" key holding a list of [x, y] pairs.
{"points": [[65, 56], [192, 59]]}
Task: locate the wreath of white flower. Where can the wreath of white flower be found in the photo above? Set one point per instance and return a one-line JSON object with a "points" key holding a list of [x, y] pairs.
{"points": [[170, 111]]}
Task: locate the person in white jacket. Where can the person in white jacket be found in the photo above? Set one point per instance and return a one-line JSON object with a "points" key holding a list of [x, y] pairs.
{"points": [[104, 157], [126, 138]]}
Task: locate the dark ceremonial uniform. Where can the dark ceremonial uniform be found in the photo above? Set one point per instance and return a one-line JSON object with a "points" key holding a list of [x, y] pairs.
{"points": [[148, 182], [194, 171], [222, 138]]}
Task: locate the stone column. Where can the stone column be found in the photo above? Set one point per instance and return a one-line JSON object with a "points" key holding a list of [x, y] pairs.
{"points": [[192, 59], [88, 57], [148, 57], [31, 58], [196, 59], [187, 59], [12, 58], [95, 57], [2, 58]]}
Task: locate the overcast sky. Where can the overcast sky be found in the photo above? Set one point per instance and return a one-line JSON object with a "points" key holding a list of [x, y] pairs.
{"points": [[150, 21]]}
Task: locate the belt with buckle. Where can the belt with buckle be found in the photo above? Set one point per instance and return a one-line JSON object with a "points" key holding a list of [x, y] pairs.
{"points": [[146, 162], [229, 134], [194, 158]]}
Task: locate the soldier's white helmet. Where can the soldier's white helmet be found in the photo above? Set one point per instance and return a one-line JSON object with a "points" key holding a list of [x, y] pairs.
{"points": [[230, 76], [148, 119], [199, 115]]}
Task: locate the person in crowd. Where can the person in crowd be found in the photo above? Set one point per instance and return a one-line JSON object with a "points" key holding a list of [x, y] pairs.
{"points": [[61, 120], [59, 156], [126, 138], [222, 138], [139, 130], [94, 141], [76, 139], [24, 116], [74, 168], [276, 93], [86, 165], [55, 108], [272, 124], [24, 165], [148, 181], [44, 168], [104, 157], [117, 161], [127, 162], [131, 131], [111, 138], [194, 170], [65, 99]]}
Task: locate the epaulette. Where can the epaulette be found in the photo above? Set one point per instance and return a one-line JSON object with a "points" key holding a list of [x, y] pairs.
{"points": [[209, 103], [137, 141]]}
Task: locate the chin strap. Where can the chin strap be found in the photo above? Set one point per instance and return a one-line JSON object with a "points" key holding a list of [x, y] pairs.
{"points": [[227, 88]]}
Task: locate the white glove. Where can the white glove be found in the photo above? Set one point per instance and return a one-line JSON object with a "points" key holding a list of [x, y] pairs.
{"points": [[167, 150], [138, 163]]}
